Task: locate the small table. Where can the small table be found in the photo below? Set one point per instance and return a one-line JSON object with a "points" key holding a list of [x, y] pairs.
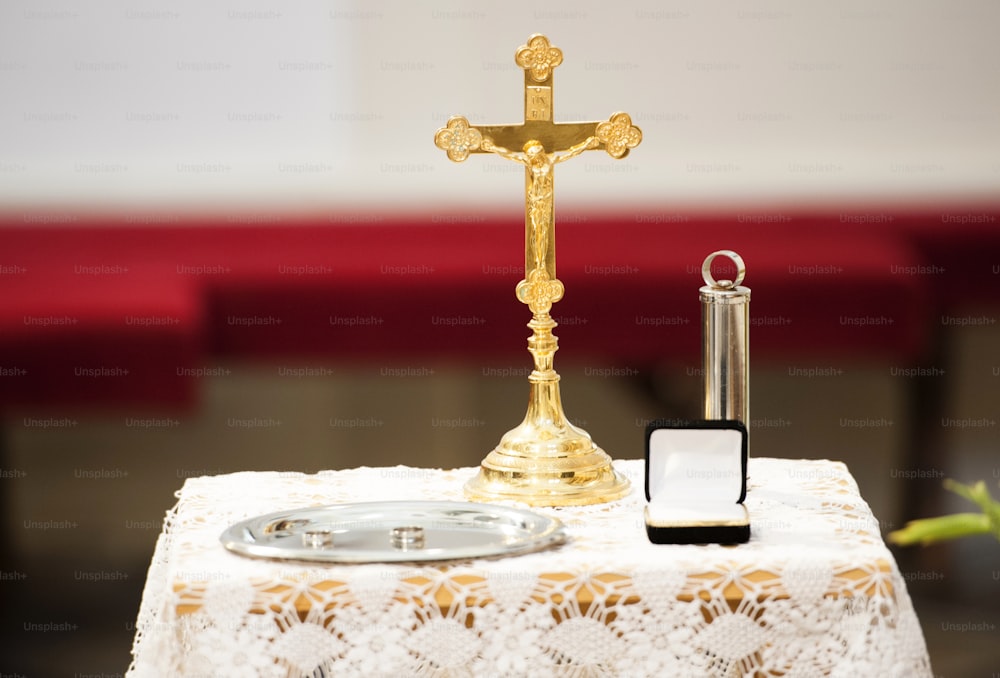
{"points": [[814, 593]]}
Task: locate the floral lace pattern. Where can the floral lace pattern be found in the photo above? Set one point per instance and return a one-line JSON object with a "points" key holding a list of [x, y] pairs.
{"points": [[814, 593]]}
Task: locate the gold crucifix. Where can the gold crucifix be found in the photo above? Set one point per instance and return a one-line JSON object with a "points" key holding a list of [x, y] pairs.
{"points": [[543, 144], [546, 460]]}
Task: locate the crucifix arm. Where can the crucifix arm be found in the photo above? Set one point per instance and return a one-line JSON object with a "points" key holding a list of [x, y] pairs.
{"points": [[488, 145], [573, 151]]}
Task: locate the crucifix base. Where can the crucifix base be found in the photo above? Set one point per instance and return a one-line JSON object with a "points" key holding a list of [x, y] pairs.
{"points": [[546, 461]]}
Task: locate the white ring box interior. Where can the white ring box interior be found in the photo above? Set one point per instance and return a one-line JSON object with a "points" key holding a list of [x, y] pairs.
{"points": [[696, 483]]}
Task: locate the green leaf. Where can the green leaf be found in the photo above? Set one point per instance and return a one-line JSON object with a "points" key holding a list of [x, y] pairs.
{"points": [[930, 530], [979, 495]]}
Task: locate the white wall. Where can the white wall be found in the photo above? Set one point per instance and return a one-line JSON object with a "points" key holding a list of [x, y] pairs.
{"points": [[307, 102]]}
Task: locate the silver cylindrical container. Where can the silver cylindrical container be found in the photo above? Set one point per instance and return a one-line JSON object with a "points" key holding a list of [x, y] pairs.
{"points": [[725, 342]]}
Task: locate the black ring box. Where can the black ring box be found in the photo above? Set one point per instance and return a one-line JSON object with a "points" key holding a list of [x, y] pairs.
{"points": [[696, 481]]}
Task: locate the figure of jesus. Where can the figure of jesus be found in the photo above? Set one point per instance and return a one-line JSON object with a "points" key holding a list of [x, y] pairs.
{"points": [[540, 190]]}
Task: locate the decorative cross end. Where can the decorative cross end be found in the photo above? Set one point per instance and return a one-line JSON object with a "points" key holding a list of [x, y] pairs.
{"points": [[458, 138], [618, 135], [538, 57]]}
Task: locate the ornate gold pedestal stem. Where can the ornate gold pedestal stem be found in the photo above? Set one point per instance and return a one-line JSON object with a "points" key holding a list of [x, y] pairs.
{"points": [[546, 461]]}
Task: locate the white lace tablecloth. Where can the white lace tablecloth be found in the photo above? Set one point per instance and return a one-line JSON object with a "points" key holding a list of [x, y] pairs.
{"points": [[814, 593]]}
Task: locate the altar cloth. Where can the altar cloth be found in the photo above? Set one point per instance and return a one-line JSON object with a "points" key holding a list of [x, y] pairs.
{"points": [[814, 593]]}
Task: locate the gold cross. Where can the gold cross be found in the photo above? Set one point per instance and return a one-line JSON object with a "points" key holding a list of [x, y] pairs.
{"points": [[540, 144]]}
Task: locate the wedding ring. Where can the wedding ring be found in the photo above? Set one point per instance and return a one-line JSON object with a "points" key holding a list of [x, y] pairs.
{"points": [[317, 539], [706, 270], [407, 537]]}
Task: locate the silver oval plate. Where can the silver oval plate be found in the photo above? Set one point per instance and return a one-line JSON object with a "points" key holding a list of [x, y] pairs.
{"points": [[394, 531]]}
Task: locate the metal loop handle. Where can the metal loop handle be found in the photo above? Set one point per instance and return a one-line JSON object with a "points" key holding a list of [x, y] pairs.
{"points": [[706, 270]]}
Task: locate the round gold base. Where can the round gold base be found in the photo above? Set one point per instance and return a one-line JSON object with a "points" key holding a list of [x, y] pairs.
{"points": [[544, 490], [570, 471]]}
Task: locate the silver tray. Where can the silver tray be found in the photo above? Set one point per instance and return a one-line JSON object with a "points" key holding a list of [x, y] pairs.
{"points": [[393, 531]]}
